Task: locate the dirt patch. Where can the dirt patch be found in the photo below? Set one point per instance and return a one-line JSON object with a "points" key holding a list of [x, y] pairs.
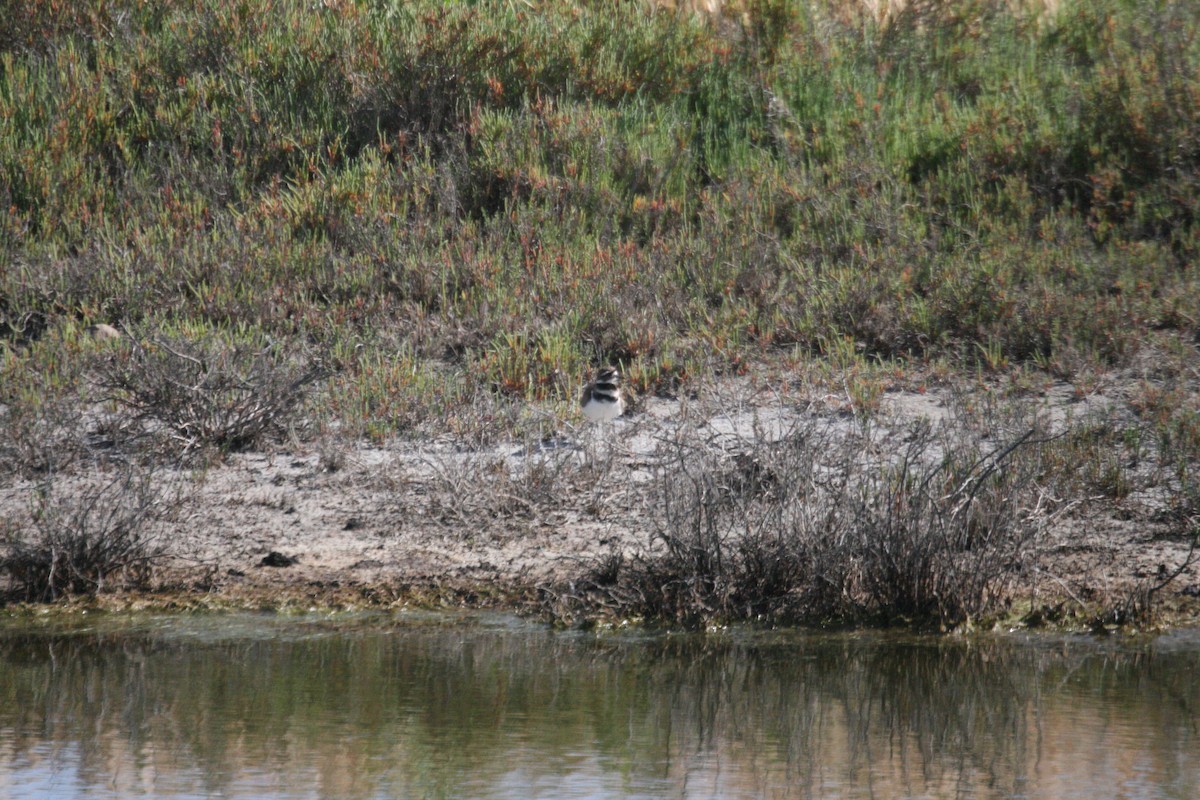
{"points": [[437, 521]]}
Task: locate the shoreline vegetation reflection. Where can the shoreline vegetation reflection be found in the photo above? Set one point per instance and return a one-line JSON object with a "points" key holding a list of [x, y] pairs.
{"points": [[247, 706]]}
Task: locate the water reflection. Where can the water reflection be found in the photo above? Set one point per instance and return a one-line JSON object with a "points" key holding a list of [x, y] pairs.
{"points": [[254, 707]]}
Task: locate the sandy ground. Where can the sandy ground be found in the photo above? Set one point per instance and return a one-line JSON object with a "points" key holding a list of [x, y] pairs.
{"points": [[483, 524]]}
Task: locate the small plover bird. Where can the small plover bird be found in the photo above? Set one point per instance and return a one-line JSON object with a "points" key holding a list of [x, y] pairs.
{"points": [[601, 400]]}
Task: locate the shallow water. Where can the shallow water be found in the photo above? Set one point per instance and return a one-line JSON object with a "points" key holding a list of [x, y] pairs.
{"points": [[372, 707]]}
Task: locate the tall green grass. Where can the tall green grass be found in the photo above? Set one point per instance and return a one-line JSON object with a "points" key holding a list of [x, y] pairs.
{"points": [[512, 192]]}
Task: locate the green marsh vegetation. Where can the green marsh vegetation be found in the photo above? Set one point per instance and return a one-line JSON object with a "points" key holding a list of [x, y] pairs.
{"points": [[448, 200], [390, 219]]}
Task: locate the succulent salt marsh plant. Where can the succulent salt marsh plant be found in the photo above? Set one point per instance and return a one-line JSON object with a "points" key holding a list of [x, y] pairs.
{"points": [[963, 182]]}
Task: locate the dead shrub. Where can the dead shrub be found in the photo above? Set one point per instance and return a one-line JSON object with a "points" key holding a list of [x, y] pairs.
{"points": [[39, 437], [209, 392], [81, 542], [538, 482], [45, 419], [946, 541], [826, 522]]}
